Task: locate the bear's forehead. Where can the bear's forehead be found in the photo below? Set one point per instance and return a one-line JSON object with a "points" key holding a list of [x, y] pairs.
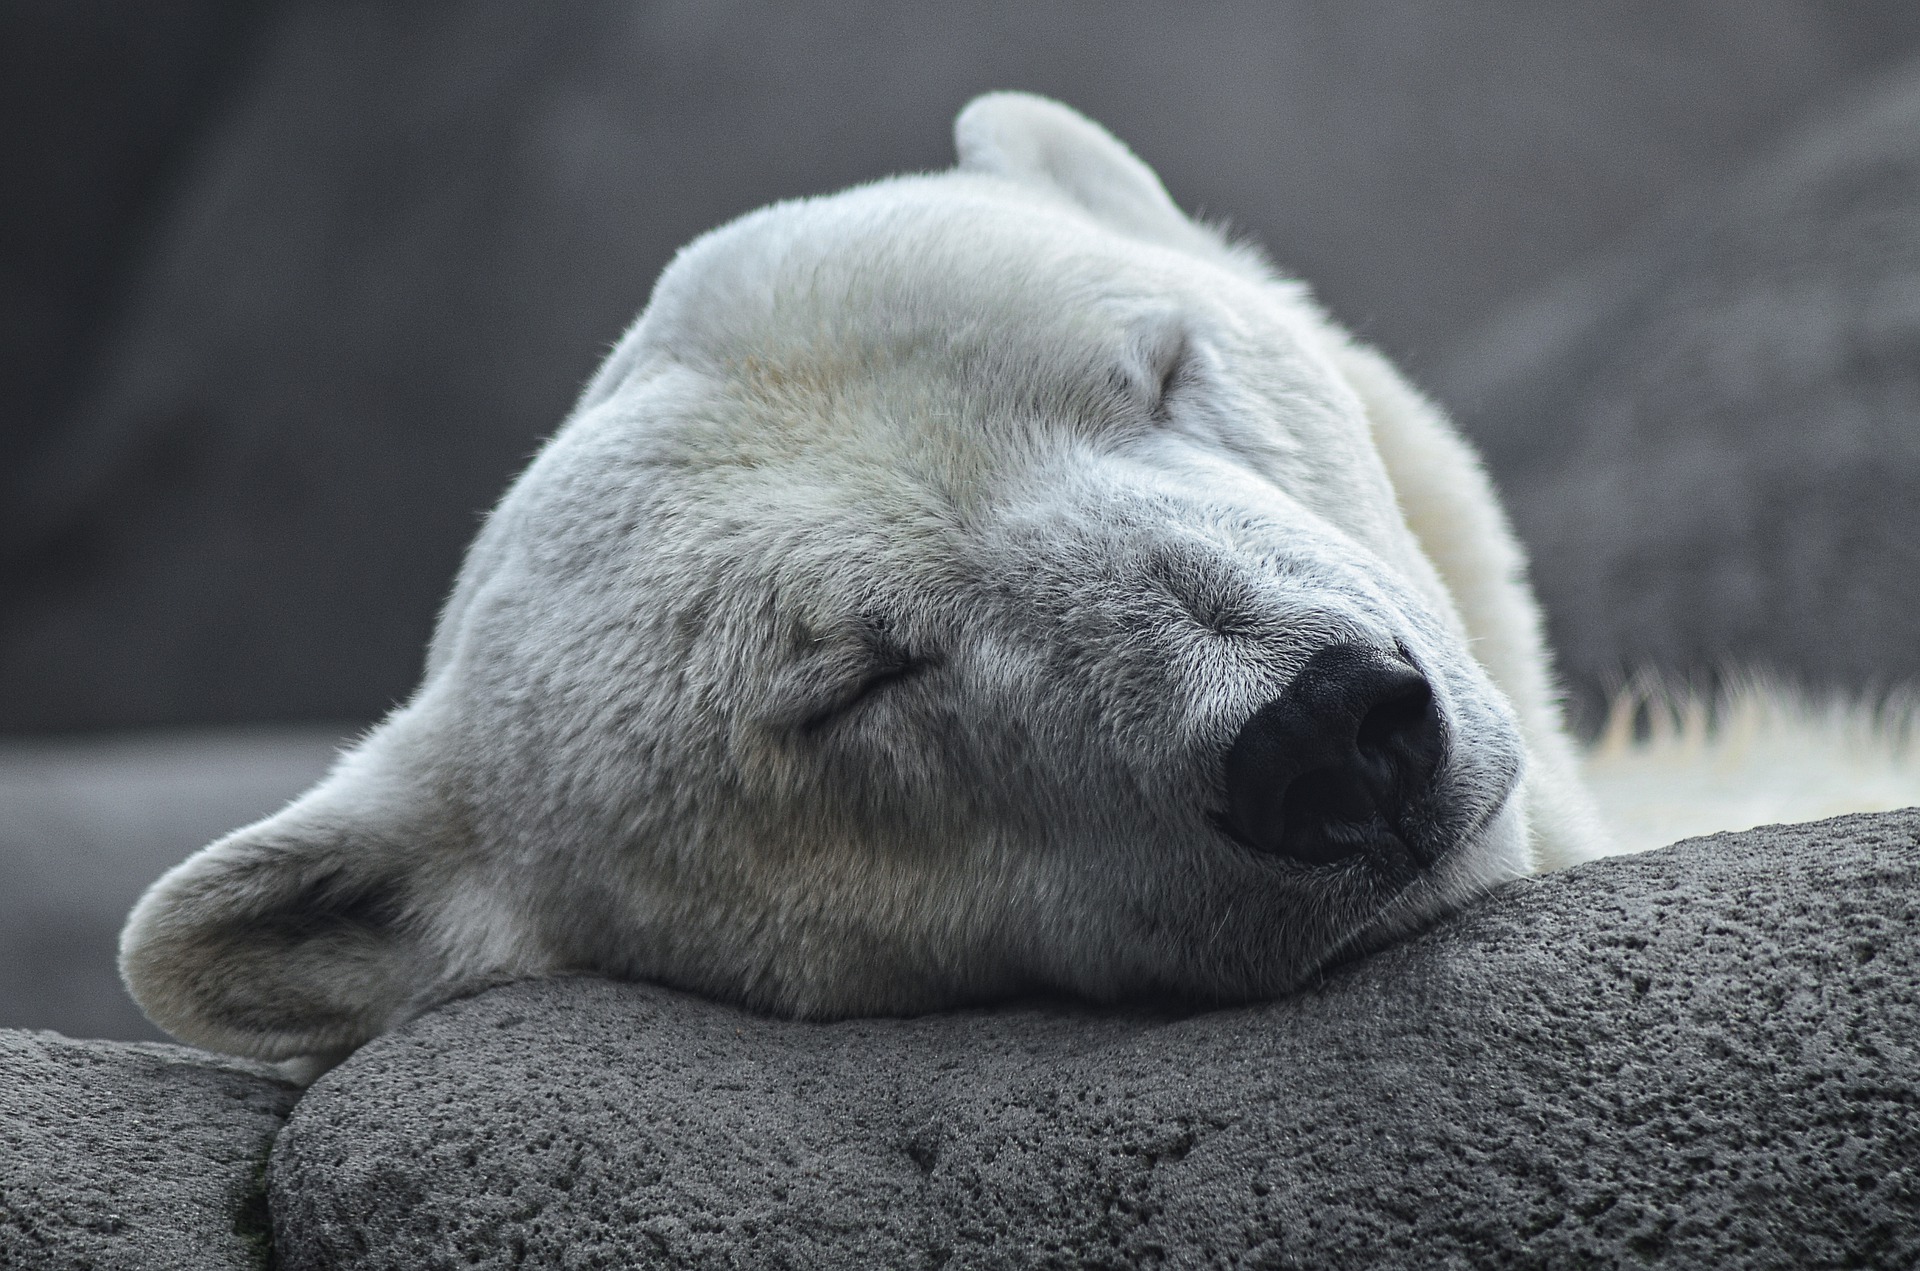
{"points": [[947, 342], [936, 271], [951, 297]]}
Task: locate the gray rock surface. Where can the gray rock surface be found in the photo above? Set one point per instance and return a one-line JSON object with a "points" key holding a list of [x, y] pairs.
{"points": [[417, 227], [1700, 1057], [1711, 441], [133, 1157]]}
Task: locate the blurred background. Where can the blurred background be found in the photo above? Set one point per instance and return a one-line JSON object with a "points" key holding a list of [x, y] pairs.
{"points": [[289, 292]]}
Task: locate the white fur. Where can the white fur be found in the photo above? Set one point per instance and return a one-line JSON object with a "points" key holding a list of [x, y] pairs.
{"points": [[873, 635], [1672, 765]]}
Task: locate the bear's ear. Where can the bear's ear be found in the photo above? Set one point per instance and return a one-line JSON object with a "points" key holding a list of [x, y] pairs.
{"points": [[1039, 142], [298, 935]]}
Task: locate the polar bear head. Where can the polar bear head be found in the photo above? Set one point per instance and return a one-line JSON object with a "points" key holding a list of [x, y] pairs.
{"points": [[969, 584]]}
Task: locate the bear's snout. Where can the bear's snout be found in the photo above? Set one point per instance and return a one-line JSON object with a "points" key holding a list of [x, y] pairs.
{"points": [[1333, 767]]}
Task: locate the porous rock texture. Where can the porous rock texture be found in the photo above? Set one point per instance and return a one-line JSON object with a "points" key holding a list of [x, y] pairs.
{"points": [[1703, 1056], [134, 1156], [1710, 439]]}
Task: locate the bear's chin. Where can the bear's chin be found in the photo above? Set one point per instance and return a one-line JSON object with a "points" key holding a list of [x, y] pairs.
{"points": [[1497, 853]]}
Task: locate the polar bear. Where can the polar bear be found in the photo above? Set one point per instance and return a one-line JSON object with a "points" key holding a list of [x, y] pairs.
{"points": [[970, 584]]}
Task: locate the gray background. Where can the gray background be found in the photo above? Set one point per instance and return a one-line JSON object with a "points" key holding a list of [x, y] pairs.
{"points": [[289, 291]]}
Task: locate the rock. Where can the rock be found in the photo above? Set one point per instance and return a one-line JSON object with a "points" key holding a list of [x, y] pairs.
{"points": [[1710, 441], [140, 1156], [1703, 1056], [416, 228]]}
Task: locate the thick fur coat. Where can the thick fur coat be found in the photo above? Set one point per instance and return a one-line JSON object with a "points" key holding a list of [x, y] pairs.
{"points": [[970, 584]]}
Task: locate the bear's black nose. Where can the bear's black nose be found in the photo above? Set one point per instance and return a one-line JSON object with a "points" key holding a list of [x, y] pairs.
{"points": [[1330, 767]]}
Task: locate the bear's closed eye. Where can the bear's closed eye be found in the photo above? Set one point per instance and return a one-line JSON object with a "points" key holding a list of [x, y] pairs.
{"points": [[890, 664]]}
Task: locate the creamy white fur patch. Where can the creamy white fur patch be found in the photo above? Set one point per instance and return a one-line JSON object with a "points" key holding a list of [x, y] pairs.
{"points": [[1671, 764]]}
